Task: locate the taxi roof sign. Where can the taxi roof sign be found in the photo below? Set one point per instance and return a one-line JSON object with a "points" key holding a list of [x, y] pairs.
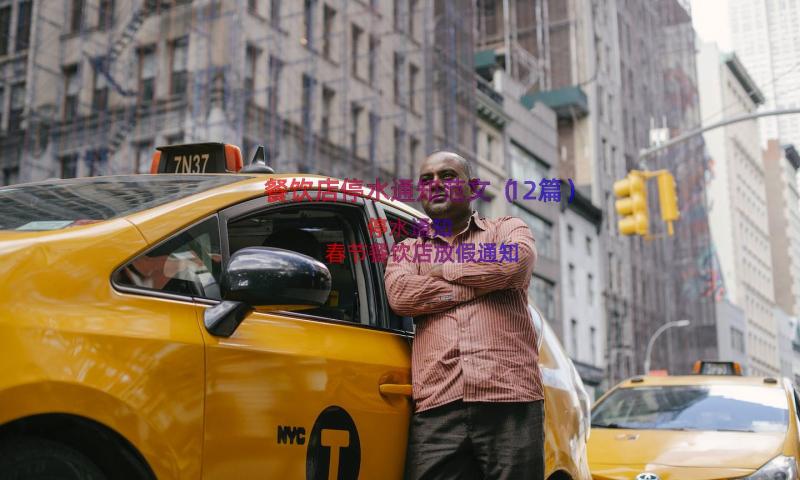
{"points": [[712, 367], [191, 158]]}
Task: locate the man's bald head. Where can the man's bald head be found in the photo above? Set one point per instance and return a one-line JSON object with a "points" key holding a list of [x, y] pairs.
{"points": [[442, 154], [446, 173]]}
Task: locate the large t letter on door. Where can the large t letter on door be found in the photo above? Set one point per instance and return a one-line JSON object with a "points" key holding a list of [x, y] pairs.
{"points": [[335, 439]]}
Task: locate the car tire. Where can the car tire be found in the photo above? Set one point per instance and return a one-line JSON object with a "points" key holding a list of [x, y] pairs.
{"points": [[31, 458]]}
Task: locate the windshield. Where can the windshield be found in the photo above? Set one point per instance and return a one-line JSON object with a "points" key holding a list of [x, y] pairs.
{"points": [[61, 203], [706, 407]]}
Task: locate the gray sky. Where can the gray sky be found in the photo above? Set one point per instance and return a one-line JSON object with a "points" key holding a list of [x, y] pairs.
{"points": [[710, 18]]}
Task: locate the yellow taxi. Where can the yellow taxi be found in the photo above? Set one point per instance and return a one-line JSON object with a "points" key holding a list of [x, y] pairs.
{"points": [[187, 325], [716, 424]]}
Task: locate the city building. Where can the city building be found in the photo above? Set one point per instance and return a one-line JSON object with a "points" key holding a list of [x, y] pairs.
{"points": [[358, 89], [738, 201], [687, 260], [787, 328], [783, 208], [583, 319], [731, 334], [519, 144], [612, 71], [764, 37]]}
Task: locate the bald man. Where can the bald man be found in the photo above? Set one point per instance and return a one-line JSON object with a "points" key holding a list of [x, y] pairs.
{"points": [[478, 394]]}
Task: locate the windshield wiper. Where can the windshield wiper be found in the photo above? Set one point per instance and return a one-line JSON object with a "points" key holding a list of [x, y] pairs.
{"points": [[733, 430]]}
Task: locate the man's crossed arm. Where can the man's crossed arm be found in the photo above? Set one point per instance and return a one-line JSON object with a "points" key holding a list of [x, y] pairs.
{"points": [[449, 285]]}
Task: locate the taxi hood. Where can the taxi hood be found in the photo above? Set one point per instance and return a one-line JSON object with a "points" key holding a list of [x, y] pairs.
{"points": [[710, 449]]}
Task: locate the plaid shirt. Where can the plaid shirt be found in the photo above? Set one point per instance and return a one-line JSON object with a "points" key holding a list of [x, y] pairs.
{"points": [[469, 347]]}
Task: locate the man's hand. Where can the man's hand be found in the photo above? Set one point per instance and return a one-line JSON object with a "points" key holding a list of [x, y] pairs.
{"points": [[479, 292], [436, 271]]}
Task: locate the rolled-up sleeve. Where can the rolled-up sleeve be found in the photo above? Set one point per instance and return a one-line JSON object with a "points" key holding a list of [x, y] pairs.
{"points": [[412, 294], [497, 275]]}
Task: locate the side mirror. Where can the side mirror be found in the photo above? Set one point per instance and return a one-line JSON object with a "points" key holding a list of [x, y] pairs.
{"points": [[259, 277]]}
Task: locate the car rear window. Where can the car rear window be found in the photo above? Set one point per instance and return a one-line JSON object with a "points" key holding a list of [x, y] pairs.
{"points": [[727, 408], [58, 204]]}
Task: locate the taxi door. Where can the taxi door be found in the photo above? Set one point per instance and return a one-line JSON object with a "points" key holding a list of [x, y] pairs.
{"points": [[319, 394]]}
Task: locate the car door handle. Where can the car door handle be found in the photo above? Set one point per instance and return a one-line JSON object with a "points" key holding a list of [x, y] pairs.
{"points": [[395, 389]]}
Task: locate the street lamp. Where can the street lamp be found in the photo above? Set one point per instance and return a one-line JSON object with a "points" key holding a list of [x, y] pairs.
{"points": [[677, 323]]}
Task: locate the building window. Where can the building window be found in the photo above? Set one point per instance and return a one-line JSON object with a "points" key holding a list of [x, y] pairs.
{"points": [[588, 245], [69, 166], [2, 104], [5, 28], [76, 16], [593, 344], [355, 122], [413, 156], [105, 14], [412, 7], [590, 288], [487, 18], [570, 234], [399, 137], [526, 166], [308, 92], [10, 175], [308, 23], [99, 91], [328, 16], [397, 14], [413, 74], [573, 334], [17, 106], [571, 279], [275, 13], [147, 73], [143, 156], [737, 340], [72, 89], [399, 60], [250, 62], [542, 230], [374, 124], [97, 161], [374, 45], [175, 139], [179, 62], [23, 25], [275, 69], [327, 107], [354, 49], [542, 292]]}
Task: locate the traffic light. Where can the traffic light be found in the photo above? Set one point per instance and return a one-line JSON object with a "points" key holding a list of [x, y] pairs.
{"points": [[631, 205], [667, 198]]}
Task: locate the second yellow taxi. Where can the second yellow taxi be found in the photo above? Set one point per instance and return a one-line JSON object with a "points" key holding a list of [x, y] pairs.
{"points": [[714, 425]]}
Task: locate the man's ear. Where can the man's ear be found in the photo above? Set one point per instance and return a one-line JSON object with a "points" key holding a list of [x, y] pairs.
{"points": [[470, 183]]}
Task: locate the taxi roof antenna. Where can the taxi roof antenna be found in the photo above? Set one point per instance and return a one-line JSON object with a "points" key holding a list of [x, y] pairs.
{"points": [[259, 162]]}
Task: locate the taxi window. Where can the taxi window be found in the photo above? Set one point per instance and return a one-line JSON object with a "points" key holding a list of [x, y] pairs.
{"points": [[58, 204], [187, 264], [400, 227], [737, 408], [326, 233]]}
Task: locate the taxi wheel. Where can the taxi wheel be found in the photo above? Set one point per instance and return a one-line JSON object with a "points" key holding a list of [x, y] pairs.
{"points": [[29, 458]]}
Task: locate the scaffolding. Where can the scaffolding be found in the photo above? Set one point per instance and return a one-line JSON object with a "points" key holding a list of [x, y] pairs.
{"points": [[338, 87]]}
